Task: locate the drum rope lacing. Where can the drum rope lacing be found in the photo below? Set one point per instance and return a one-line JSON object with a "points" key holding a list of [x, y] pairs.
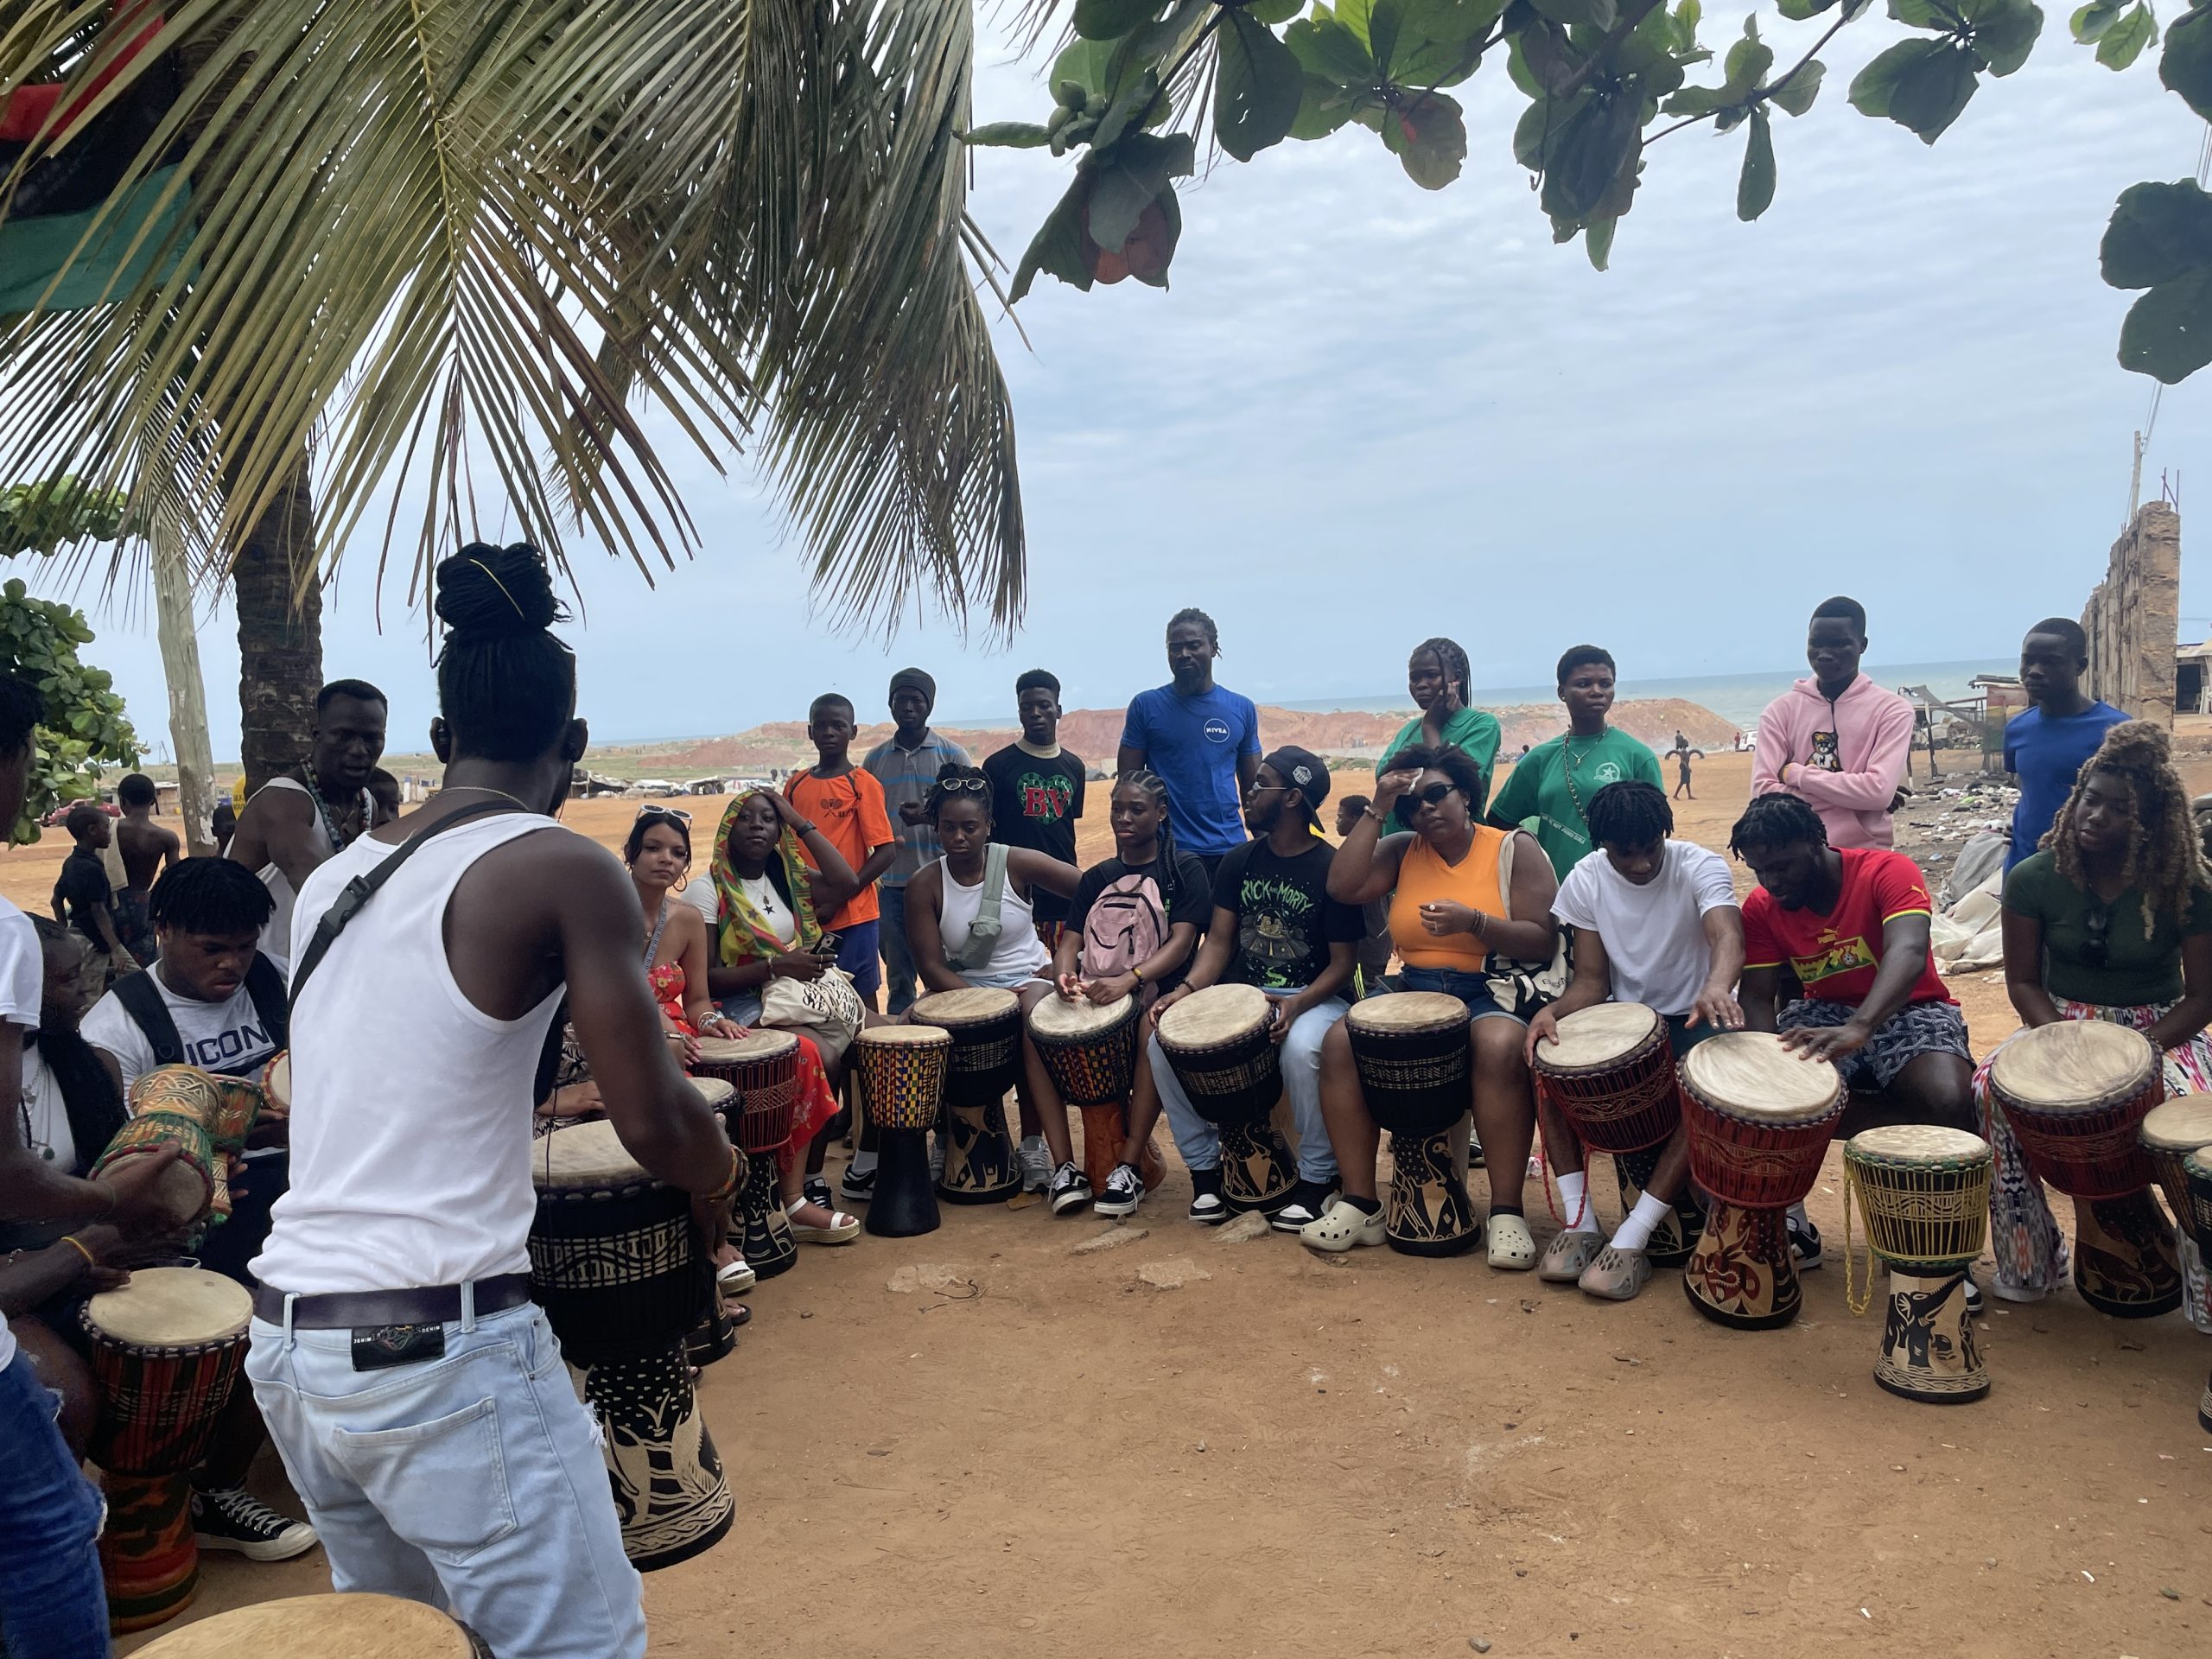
{"points": [[1857, 1302], [1544, 1178]]}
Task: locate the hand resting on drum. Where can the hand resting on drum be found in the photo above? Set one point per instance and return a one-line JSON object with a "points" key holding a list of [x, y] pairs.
{"points": [[1718, 1009], [1827, 1042], [139, 1206]]}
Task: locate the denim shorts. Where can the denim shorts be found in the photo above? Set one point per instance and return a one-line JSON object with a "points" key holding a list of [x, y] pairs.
{"points": [[1473, 989], [859, 954]]}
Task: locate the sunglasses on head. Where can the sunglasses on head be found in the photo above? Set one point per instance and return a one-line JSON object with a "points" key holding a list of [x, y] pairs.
{"points": [[652, 810]]}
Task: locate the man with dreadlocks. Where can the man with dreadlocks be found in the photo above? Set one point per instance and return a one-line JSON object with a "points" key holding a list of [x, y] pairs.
{"points": [[1203, 740], [1656, 921], [1852, 922], [1436, 679], [2112, 920]]}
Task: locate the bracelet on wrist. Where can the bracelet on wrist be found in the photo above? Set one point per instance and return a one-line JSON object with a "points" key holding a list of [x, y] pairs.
{"points": [[72, 1239]]}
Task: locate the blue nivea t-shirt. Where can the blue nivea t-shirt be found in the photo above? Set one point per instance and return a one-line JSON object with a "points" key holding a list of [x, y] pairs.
{"points": [[2047, 755], [1192, 743]]}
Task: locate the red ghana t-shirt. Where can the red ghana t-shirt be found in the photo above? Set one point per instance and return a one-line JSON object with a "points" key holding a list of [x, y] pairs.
{"points": [[1836, 956]]}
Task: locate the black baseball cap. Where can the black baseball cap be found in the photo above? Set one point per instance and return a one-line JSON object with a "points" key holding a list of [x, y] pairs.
{"points": [[1301, 769]]}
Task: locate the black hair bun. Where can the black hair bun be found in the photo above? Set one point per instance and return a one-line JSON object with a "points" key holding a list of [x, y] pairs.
{"points": [[489, 593]]}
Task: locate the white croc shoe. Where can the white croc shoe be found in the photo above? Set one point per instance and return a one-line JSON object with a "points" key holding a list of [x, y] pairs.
{"points": [[1512, 1246], [1341, 1226]]}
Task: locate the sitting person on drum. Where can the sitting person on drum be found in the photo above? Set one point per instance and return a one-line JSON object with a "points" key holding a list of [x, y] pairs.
{"points": [[1852, 924], [1274, 927], [2111, 920], [1656, 921], [765, 930], [1131, 932], [971, 919], [1470, 917]]}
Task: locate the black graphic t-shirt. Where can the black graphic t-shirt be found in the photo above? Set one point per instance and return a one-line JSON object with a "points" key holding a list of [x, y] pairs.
{"points": [[1285, 920], [1035, 803]]}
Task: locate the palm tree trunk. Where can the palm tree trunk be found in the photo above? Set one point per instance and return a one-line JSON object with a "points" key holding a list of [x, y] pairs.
{"points": [[276, 578], [195, 764]]}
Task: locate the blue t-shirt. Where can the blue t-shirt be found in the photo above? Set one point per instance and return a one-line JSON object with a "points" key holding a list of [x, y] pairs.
{"points": [[1193, 744], [2047, 755]]}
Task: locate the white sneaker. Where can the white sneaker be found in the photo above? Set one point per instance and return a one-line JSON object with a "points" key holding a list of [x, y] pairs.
{"points": [[1034, 1159]]}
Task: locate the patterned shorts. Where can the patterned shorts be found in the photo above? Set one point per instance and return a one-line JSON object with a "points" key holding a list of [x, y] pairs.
{"points": [[1916, 1029]]}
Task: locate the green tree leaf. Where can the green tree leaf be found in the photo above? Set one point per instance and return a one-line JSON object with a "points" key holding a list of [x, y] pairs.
{"points": [[2124, 41], [1429, 138], [1747, 62], [1382, 28], [2005, 31], [1257, 89], [1152, 245], [1798, 11], [1128, 109], [1089, 64], [1598, 241], [1795, 95], [1599, 15], [1056, 248], [2168, 332], [2090, 22], [1598, 141], [1273, 12], [1552, 63], [1007, 135], [1109, 20], [1324, 46], [2185, 67], [1323, 106], [1755, 185], [2159, 232], [1920, 84]]}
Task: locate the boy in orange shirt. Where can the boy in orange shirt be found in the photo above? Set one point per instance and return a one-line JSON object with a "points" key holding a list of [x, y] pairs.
{"points": [[847, 803]]}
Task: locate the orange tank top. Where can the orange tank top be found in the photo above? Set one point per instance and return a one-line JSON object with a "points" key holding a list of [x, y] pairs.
{"points": [[1424, 878]]}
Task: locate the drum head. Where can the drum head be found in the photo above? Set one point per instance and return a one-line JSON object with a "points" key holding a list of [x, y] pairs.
{"points": [[732, 1050], [2074, 1065], [1749, 1074], [714, 1092], [2181, 1125], [326, 1627], [1217, 1014], [171, 1307], [1593, 1037], [584, 1154], [277, 1081], [971, 1005], [904, 1037], [1404, 1010], [1057, 1017], [1919, 1143]]}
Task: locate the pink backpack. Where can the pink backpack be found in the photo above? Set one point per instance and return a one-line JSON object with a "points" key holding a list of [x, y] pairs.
{"points": [[1128, 923]]}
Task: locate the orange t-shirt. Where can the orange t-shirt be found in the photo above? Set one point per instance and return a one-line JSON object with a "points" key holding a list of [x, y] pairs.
{"points": [[849, 811], [1425, 877]]}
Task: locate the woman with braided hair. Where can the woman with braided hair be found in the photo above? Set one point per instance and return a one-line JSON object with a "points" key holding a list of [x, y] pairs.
{"points": [[1437, 678], [2111, 920]]}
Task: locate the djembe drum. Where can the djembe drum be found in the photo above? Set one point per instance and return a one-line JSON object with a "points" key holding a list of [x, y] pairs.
{"points": [[763, 1071], [1924, 1193], [2074, 1093], [166, 1351], [985, 1026], [2169, 1132], [1089, 1050], [715, 1336], [1611, 1072], [350, 1626], [902, 1071], [1217, 1042], [2196, 1179], [614, 1263], [1760, 1119], [206, 1118], [1410, 1049]]}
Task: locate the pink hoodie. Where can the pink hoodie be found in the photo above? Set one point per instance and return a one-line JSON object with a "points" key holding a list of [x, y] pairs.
{"points": [[1847, 758]]}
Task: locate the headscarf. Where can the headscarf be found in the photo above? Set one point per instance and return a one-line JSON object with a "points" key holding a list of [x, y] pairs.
{"points": [[740, 935]]}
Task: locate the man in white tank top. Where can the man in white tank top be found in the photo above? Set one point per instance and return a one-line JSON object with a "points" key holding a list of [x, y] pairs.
{"points": [[296, 820], [417, 1395]]}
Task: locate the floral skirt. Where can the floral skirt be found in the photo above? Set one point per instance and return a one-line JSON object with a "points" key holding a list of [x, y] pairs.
{"points": [[2024, 1236]]}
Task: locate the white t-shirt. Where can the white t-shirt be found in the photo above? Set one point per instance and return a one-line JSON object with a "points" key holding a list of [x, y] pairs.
{"points": [[1653, 935], [769, 905], [49, 1112], [22, 986], [226, 1037], [699, 893]]}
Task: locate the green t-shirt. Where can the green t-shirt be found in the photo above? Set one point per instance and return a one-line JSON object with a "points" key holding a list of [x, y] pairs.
{"points": [[1547, 790], [2136, 970], [1471, 731]]}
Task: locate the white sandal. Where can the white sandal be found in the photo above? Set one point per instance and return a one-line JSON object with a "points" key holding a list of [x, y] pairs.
{"points": [[1341, 1226], [842, 1228], [1512, 1247]]}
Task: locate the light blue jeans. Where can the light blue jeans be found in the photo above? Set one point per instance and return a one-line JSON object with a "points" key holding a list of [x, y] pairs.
{"points": [[51, 1606], [474, 1481], [1200, 1143]]}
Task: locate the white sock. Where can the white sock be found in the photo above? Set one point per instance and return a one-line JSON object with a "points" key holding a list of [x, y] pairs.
{"points": [[1574, 1201], [1643, 1222], [1797, 1214], [864, 1163]]}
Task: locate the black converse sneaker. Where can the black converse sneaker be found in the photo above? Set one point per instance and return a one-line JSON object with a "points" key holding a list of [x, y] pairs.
{"points": [[232, 1519], [1206, 1206], [1805, 1244], [1124, 1192], [1309, 1200], [815, 1189], [1070, 1192], [855, 1185]]}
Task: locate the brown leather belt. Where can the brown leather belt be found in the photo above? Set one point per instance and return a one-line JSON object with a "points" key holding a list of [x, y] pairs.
{"points": [[425, 1304]]}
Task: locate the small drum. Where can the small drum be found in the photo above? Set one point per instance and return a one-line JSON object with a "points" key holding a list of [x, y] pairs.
{"points": [[611, 1263], [1217, 1042], [763, 1070], [166, 1351], [1410, 1049], [2169, 1132], [276, 1083], [1611, 1071], [1089, 1050], [985, 1029], [355, 1626], [902, 1071], [1760, 1120], [2196, 1173], [1924, 1193], [206, 1118], [2075, 1095]]}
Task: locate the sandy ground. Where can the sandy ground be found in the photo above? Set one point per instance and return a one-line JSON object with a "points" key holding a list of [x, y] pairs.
{"points": [[1186, 1444]]}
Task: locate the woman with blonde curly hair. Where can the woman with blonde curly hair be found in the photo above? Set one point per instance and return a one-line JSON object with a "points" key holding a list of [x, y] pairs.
{"points": [[2111, 920]]}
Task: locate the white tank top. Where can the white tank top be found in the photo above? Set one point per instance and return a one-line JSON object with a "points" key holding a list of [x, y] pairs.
{"points": [[277, 937], [1020, 953], [411, 1106]]}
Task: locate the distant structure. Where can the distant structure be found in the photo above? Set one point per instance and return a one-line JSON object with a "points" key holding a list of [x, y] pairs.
{"points": [[2133, 619]]}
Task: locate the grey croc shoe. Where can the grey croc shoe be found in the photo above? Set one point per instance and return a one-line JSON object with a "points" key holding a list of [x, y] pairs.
{"points": [[1567, 1255], [1343, 1226], [1617, 1274]]}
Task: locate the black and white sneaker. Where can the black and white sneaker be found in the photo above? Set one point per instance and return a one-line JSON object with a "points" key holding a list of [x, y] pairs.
{"points": [[233, 1519], [1973, 1297], [817, 1190], [1124, 1192], [1207, 1208], [1070, 1191], [1805, 1245], [1309, 1201], [1475, 1151], [855, 1186]]}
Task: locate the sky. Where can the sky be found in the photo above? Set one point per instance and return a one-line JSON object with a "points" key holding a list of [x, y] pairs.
{"points": [[1365, 413]]}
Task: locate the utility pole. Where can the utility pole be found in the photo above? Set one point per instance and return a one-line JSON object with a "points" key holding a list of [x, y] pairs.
{"points": [[2135, 479], [195, 764]]}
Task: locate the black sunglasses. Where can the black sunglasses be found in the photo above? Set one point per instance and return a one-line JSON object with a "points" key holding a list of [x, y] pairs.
{"points": [[1436, 794], [2096, 948]]}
